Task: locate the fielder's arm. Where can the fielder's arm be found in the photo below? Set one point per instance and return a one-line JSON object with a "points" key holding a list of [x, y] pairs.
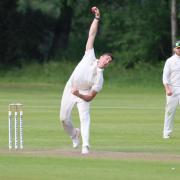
{"points": [[168, 90], [166, 75], [87, 97], [93, 29]]}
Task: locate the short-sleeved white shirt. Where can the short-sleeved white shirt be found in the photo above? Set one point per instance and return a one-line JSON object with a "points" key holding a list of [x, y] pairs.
{"points": [[171, 72], [87, 75]]}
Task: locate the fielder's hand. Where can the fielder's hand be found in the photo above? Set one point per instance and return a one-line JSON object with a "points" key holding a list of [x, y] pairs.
{"points": [[168, 90], [169, 93]]}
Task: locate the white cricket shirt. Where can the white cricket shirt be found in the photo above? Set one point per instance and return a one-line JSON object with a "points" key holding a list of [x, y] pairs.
{"points": [[87, 75], [171, 72]]}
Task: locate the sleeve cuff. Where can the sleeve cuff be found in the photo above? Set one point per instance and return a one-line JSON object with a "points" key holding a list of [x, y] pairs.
{"points": [[100, 69]]}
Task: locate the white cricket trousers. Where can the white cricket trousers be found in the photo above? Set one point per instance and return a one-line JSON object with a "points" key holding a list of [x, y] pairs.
{"points": [[171, 105], [67, 103]]}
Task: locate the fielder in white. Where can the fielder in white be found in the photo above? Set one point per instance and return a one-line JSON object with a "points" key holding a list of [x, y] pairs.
{"points": [[171, 81], [84, 83]]}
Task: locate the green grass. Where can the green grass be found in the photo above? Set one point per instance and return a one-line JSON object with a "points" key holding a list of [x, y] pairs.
{"points": [[45, 168], [142, 74], [123, 119]]}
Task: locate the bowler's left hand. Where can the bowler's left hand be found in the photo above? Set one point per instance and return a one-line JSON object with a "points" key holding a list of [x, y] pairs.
{"points": [[75, 91]]}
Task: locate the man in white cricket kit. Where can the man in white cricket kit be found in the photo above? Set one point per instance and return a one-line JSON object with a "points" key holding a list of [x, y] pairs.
{"points": [[171, 81], [84, 83]]}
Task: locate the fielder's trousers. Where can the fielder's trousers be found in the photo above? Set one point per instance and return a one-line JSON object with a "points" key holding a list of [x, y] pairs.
{"points": [[171, 105]]}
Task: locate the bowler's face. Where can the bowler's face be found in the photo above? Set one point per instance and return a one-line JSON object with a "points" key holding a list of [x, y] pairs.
{"points": [[104, 61]]}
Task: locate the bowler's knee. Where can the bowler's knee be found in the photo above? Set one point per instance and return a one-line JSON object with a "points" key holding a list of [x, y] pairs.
{"points": [[63, 116], [63, 121], [85, 116]]}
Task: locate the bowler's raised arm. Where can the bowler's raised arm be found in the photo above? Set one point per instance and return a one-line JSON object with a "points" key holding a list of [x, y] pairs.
{"points": [[93, 28]]}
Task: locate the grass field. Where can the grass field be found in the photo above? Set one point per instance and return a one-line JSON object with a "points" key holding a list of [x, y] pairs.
{"points": [[126, 136]]}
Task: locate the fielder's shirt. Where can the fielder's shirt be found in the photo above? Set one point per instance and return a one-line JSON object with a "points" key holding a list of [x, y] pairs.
{"points": [[171, 72]]}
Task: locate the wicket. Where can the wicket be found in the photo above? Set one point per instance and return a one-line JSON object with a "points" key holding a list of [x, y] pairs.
{"points": [[15, 108]]}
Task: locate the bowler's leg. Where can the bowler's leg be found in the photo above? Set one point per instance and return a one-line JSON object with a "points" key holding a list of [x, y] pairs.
{"points": [[170, 110], [67, 104], [83, 108]]}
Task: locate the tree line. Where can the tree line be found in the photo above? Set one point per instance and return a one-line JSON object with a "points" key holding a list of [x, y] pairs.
{"points": [[36, 30]]}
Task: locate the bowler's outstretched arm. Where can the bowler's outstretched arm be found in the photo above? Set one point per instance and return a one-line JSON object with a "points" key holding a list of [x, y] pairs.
{"points": [[93, 30]]}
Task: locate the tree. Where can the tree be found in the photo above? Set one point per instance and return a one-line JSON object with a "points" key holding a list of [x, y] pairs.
{"points": [[138, 30], [62, 12], [62, 29], [8, 29], [173, 22]]}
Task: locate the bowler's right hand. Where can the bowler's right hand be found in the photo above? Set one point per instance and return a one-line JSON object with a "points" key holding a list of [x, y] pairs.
{"points": [[95, 10]]}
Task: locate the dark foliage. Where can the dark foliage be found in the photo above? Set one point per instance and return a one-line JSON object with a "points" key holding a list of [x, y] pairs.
{"points": [[134, 31]]}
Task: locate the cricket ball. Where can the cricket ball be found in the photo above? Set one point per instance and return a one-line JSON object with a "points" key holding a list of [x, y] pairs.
{"points": [[93, 9]]}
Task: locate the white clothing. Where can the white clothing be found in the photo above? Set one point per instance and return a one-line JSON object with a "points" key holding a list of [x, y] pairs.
{"points": [[86, 77], [171, 77], [171, 72]]}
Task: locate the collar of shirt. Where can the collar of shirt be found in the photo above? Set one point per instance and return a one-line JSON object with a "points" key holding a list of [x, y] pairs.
{"points": [[176, 56], [99, 69]]}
